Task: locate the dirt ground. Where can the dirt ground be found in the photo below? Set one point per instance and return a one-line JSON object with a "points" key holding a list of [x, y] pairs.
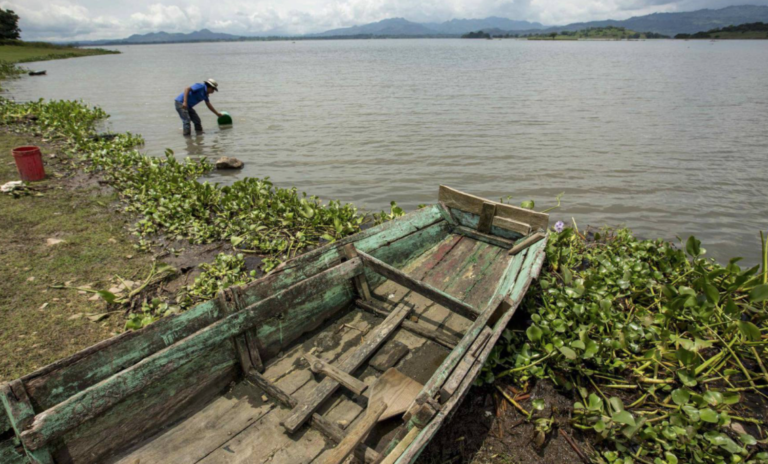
{"points": [[487, 428]]}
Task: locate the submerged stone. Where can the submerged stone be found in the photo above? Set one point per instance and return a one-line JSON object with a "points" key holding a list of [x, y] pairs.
{"points": [[226, 162]]}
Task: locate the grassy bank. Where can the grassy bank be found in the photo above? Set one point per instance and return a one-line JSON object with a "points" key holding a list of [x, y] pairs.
{"points": [[24, 52], [63, 232]]}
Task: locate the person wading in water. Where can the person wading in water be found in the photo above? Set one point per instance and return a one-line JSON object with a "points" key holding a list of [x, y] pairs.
{"points": [[190, 97]]}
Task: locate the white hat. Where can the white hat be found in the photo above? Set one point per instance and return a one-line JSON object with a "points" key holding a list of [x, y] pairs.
{"points": [[213, 83]]}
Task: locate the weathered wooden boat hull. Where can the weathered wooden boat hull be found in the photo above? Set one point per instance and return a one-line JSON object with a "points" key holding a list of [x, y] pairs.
{"points": [[429, 293]]}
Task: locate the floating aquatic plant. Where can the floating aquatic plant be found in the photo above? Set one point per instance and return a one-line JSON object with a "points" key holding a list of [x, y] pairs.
{"points": [[658, 345]]}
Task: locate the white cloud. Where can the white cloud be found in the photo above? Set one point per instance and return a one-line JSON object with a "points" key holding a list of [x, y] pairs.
{"points": [[92, 19], [170, 18], [59, 20]]}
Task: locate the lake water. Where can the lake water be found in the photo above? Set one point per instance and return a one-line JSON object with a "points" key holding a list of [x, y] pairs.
{"points": [[666, 137]]}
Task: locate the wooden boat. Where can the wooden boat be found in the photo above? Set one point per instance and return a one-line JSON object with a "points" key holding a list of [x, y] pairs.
{"points": [[37, 73], [427, 294]]}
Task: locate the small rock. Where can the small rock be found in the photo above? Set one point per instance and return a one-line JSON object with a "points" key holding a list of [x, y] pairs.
{"points": [[226, 162], [54, 241]]}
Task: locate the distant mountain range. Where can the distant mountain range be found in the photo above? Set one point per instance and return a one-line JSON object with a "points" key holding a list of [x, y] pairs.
{"points": [[672, 24], [402, 27], [203, 35], [663, 23]]}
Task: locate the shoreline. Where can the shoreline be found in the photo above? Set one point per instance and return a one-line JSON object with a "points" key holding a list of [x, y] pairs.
{"points": [[604, 300]]}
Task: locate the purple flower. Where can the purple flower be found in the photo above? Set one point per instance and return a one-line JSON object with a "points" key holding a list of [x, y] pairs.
{"points": [[559, 226]]}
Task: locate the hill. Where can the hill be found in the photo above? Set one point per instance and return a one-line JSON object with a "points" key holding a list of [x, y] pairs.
{"points": [[388, 27], [203, 35], [672, 24], [462, 26], [757, 30]]}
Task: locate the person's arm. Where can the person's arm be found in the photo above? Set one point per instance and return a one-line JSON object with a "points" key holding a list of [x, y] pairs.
{"points": [[186, 94], [210, 107]]}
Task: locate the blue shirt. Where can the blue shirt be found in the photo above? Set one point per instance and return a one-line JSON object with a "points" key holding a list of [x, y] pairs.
{"points": [[197, 93]]}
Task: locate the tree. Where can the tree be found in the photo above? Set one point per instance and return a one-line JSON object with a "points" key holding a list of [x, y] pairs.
{"points": [[553, 35], [9, 25]]}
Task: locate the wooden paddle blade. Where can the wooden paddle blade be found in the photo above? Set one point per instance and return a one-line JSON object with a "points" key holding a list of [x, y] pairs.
{"points": [[356, 434], [396, 390]]}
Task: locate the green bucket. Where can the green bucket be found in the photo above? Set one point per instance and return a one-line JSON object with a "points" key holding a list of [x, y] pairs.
{"points": [[225, 119]]}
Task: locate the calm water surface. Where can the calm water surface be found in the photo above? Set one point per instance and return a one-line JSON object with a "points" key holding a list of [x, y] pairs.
{"points": [[667, 137]]}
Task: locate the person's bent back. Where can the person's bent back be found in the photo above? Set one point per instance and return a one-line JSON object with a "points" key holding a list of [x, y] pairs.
{"points": [[190, 97]]}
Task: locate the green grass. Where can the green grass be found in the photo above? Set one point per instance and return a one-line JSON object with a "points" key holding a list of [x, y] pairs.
{"points": [[27, 53], [39, 325]]}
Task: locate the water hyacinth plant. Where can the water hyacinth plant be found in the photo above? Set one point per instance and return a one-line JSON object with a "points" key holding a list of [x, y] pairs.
{"points": [[661, 349]]}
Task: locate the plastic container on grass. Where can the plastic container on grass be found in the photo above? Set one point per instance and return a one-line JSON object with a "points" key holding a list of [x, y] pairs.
{"points": [[29, 162]]}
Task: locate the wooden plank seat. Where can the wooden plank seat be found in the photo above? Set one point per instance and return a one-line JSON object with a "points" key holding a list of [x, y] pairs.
{"points": [[304, 410]]}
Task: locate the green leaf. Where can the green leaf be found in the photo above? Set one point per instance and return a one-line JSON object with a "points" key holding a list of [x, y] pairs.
{"points": [[594, 403], [731, 398], [568, 353], [750, 331], [624, 417], [693, 246], [599, 426], [713, 398], [538, 404], [671, 458], [685, 356], [759, 293], [567, 276], [591, 350], [616, 404], [528, 204], [534, 333], [328, 238], [109, 297], [713, 294], [709, 415], [688, 379], [747, 439], [680, 396]]}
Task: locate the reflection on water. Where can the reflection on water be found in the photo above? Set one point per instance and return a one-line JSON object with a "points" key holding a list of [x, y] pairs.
{"points": [[667, 137]]}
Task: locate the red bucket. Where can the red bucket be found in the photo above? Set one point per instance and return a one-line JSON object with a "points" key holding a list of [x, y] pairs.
{"points": [[29, 162]]}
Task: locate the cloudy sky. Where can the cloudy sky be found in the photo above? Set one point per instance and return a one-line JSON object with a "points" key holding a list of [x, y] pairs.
{"points": [[100, 19]]}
